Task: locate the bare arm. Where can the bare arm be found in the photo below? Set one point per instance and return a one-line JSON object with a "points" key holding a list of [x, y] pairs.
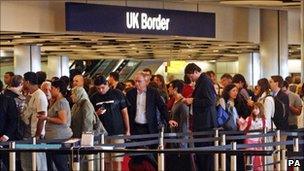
{"points": [[296, 110], [60, 120], [125, 118], [40, 124]]}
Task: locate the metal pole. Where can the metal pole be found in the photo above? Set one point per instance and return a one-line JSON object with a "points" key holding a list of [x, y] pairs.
{"points": [[12, 157], [283, 162], [265, 148], [223, 155], [90, 158], [233, 158], [102, 155], [278, 149], [161, 156], [249, 165], [76, 162], [216, 155], [34, 157], [302, 40], [296, 149]]}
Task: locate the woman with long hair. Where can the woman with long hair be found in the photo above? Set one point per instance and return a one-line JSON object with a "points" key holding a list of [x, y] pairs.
{"points": [[160, 81], [227, 102]]}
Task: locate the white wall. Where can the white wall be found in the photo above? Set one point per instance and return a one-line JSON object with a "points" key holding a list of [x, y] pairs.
{"points": [[32, 16], [294, 65], [294, 30]]}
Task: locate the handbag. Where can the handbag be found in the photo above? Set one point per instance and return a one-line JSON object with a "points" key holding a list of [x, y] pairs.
{"points": [[222, 116]]}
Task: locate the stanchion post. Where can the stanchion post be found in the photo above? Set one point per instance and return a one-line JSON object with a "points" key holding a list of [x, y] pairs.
{"points": [[249, 164], [278, 150], [233, 157], [34, 157], [296, 149], [265, 148], [76, 162], [161, 156], [90, 162], [12, 157], [102, 155], [216, 155], [223, 155], [283, 161]]}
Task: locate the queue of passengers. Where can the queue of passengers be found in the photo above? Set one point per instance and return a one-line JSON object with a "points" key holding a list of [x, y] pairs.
{"points": [[63, 108]]}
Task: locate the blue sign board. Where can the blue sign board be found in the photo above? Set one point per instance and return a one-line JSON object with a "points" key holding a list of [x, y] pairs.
{"points": [[121, 19]]}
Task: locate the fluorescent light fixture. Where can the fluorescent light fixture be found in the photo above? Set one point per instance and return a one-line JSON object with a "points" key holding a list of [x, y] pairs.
{"points": [[2, 53]]}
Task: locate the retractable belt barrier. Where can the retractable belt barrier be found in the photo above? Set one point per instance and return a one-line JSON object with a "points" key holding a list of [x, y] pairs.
{"points": [[141, 141]]}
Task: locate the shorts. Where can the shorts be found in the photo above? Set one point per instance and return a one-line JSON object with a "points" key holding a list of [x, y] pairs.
{"points": [[110, 157]]}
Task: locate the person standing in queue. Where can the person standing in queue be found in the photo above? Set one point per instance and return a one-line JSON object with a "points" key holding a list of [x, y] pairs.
{"points": [[203, 103], [111, 107], [144, 102]]}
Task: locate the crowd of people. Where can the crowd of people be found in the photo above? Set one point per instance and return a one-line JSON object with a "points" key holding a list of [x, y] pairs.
{"points": [[66, 107]]}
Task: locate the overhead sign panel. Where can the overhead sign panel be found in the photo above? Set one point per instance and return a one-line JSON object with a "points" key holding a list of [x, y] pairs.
{"points": [[120, 19]]}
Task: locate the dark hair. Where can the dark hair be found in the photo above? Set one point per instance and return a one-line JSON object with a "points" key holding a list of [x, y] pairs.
{"points": [[191, 67], [41, 77], [210, 73], [65, 79], [115, 76], [239, 78], [148, 70], [130, 81], [1, 86], [10, 73], [289, 79], [285, 84], [226, 91], [54, 78], [31, 77], [187, 79], [61, 86], [16, 81], [73, 73], [278, 79], [154, 85], [265, 86], [226, 75], [179, 84], [100, 80]]}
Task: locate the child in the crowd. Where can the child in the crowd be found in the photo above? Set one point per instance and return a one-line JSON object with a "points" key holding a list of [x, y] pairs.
{"points": [[256, 121]]}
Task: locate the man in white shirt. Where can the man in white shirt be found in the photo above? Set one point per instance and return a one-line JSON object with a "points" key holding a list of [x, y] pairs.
{"points": [[36, 106]]}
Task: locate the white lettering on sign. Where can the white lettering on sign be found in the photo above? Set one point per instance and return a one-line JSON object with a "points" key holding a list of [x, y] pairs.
{"points": [[293, 162], [146, 22]]}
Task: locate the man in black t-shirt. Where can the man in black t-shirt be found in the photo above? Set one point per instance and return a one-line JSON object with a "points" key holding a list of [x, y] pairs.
{"points": [[111, 107]]}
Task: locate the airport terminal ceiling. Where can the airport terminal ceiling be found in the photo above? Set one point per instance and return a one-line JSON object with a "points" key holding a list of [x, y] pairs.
{"points": [[95, 46], [80, 45]]}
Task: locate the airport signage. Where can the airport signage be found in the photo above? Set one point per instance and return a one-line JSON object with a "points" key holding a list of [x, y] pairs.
{"points": [[130, 20]]}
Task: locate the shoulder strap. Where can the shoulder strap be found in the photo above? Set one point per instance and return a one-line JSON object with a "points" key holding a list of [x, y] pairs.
{"points": [[249, 123], [264, 122]]}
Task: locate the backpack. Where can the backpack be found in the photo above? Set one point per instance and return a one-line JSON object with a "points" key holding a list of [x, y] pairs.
{"points": [[23, 130], [280, 117]]}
